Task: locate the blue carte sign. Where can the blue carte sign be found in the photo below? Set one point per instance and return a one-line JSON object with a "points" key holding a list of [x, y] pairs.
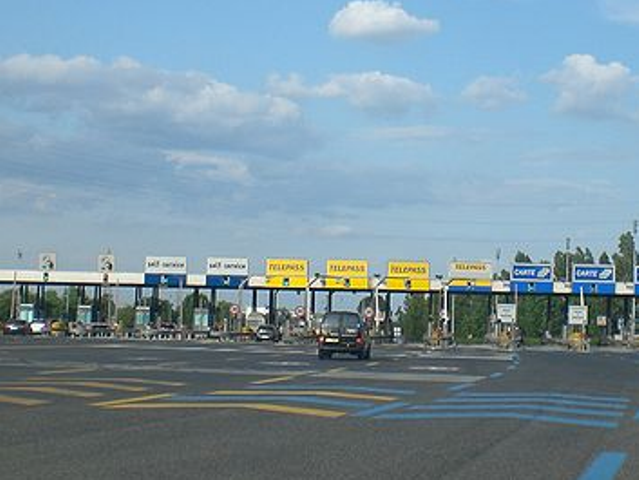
{"points": [[165, 280], [528, 272], [593, 274], [593, 279], [225, 281]]}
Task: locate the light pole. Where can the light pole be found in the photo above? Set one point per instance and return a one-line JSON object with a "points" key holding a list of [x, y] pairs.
{"points": [[240, 289], [307, 302], [567, 259], [633, 321]]}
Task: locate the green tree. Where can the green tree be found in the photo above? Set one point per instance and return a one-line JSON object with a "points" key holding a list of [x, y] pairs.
{"points": [[414, 317], [623, 259], [521, 257], [604, 259], [126, 317], [560, 260], [189, 304], [5, 304]]}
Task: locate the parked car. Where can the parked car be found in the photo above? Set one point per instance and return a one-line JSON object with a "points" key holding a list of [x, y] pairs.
{"points": [[267, 333], [99, 329], [59, 328], [77, 329], [39, 327], [343, 332], [16, 327]]}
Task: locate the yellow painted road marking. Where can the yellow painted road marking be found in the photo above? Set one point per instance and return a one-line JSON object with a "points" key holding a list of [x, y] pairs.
{"points": [[65, 392], [314, 393], [128, 401], [265, 407], [274, 380], [25, 402], [118, 379], [91, 384], [335, 370], [68, 370]]}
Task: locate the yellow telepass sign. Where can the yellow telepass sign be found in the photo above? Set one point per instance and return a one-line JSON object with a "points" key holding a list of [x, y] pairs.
{"points": [[347, 274], [408, 276], [286, 273]]}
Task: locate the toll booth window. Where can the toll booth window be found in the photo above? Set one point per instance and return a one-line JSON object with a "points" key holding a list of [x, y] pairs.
{"points": [[341, 320]]}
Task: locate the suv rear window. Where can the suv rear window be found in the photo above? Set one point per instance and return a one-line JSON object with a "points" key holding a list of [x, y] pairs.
{"points": [[341, 320]]}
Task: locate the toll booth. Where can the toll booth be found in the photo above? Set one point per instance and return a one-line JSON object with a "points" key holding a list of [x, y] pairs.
{"points": [[200, 320], [575, 333], [505, 330], [26, 312], [439, 334], [84, 314], [142, 317]]}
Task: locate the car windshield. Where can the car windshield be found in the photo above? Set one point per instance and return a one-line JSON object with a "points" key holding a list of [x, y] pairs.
{"points": [[346, 320]]}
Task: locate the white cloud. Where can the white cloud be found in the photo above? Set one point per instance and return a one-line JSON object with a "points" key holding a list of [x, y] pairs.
{"points": [[379, 21], [493, 93], [211, 166], [23, 194], [375, 92], [592, 89], [334, 231], [412, 133], [622, 11], [147, 105]]}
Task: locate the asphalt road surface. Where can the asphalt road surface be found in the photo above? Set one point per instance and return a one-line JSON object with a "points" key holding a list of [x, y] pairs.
{"points": [[88, 409]]}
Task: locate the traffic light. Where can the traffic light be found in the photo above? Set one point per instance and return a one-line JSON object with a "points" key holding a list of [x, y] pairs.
{"points": [[408, 284], [45, 277], [347, 283], [286, 282]]}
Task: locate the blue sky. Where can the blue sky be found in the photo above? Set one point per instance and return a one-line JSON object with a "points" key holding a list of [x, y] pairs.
{"points": [[316, 129]]}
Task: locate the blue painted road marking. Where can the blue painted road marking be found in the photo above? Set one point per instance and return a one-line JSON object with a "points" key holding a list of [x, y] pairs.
{"points": [[580, 422], [540, 408], [380, 409], [531, 399], [460, 387], [605, 466], [594, 398]]}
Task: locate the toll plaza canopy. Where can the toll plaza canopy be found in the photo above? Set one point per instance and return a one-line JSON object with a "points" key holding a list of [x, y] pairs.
{"points": [[406, 276]]}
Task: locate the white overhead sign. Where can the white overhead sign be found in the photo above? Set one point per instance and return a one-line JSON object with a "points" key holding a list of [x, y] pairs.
{"points": [[470, 270], [106, 263], [577, 315], [165, 265], [48, 262], [507, 312], [227, 266]]}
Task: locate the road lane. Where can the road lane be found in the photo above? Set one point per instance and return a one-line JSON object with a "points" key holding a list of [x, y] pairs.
{"points": [[279, 412]]}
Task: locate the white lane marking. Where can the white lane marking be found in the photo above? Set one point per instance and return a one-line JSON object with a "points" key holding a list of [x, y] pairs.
{"points": [[430, 368], [400, 377], [286, 364]]}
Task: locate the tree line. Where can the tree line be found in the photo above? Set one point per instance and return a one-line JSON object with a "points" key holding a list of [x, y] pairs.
{"points": [[535, 313]]}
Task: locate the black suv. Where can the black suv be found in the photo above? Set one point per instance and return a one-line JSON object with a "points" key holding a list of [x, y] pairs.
{"points": [[343, 332]]}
